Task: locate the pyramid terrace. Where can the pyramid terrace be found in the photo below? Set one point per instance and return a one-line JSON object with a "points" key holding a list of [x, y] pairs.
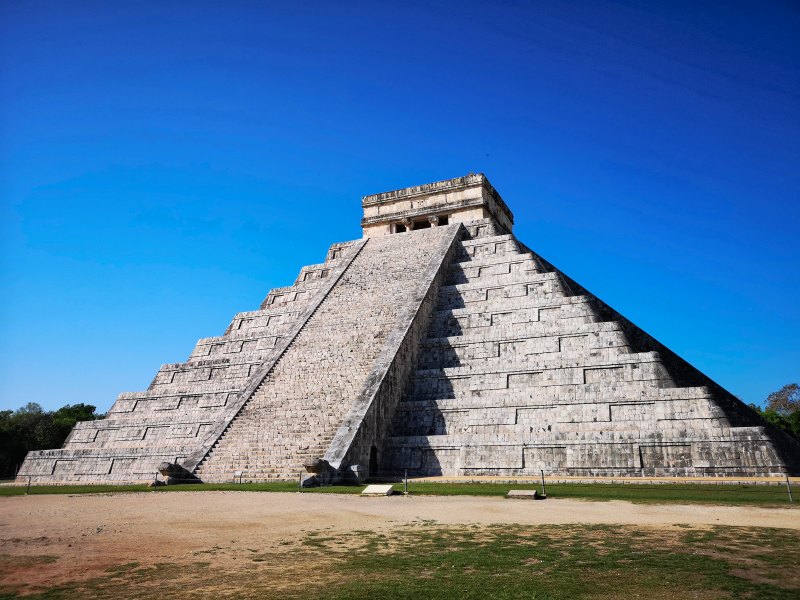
{"points": [[437, 344]]}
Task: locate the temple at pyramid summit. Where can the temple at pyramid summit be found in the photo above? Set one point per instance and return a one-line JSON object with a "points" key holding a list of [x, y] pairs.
{"points": [[437, 344]]}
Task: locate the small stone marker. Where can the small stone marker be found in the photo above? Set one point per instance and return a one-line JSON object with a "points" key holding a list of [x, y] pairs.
{"points": [[524, 494], [377, 490]]}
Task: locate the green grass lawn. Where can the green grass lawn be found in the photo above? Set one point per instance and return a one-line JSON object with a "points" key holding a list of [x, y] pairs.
{"points": [[555, 562], [659, 493], [469, 562]]}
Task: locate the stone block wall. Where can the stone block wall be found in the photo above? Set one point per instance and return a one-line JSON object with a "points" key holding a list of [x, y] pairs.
{"points": [[187, 401], [302, 402], [523, 370], [362, 432], [450, 350]]}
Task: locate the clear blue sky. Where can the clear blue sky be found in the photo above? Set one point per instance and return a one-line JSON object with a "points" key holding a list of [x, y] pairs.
{"points": [[164, 164]]}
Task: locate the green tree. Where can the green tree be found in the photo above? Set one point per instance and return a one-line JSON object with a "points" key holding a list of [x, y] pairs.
{"points": [[794, 423], [776, 419], [783, 409], [23, 430], [31, 428], [786, 400], [64, 420]]}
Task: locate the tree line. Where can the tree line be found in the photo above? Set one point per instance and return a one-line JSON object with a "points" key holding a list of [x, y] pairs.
{"points": [[783, 409], [32, 428]]}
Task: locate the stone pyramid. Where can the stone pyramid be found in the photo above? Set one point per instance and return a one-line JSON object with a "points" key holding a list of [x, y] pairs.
{"points": [[437, 344]]}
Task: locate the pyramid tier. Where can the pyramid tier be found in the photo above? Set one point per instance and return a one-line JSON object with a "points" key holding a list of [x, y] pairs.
{"points": [[523, 371]]}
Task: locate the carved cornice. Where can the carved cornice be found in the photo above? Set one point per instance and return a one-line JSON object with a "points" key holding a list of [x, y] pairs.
{"points": [[401, 216], [430, 189]]}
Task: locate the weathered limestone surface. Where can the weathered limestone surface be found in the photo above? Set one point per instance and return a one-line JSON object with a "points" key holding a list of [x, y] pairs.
{"points": [[187, 402], [362, 433], [460, 200], [296, 411], [437, 344], [522, 370]]}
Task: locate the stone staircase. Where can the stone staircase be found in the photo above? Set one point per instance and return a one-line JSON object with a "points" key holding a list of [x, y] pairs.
{"points": [[296, 411], [185, 401], [523, 371], [437, 344]]}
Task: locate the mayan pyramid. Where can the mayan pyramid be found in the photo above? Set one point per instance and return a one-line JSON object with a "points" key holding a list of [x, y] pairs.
{"points": [[437, 344]]}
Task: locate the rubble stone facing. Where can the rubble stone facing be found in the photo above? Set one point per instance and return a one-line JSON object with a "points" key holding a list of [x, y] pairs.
{"points": [[446, 349]]}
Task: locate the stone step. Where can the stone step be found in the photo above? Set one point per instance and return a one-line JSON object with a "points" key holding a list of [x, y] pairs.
{"points": [[499, 284], [704, 430], [499, 266], [310, 390], [490, 259], [630, 393]]}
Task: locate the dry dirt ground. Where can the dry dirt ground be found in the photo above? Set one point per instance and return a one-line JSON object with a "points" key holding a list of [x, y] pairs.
{"points": [[51, 540]]}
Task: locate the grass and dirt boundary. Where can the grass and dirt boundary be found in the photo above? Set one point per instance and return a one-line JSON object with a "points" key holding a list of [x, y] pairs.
{"points": [[729, 494]]}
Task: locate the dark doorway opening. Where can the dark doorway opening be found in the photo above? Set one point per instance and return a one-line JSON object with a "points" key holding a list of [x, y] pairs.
{"points": [[444, 220], [399, 228], [373, 461], [422, 224]]}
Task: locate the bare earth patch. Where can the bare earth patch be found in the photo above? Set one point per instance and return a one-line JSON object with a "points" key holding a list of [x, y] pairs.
{"points": [[198, 543]]}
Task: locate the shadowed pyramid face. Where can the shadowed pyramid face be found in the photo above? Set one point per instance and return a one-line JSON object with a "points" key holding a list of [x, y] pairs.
{"points": [[450, 349]]}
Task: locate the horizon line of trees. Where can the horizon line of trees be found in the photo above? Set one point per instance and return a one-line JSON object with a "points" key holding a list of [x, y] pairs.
{"points": [[783, 409], [33, 428]]}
